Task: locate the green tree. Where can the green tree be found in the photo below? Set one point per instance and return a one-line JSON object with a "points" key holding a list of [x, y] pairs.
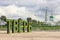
{"points": [[28, 19], [34, 21], [38, 22], [3, 18], [19, 19]]}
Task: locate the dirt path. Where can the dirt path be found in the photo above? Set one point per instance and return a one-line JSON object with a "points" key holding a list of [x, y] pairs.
{"points": [[39, 35]]}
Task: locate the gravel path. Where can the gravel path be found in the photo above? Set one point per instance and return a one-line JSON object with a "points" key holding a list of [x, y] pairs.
{"points": [[36, 35]]}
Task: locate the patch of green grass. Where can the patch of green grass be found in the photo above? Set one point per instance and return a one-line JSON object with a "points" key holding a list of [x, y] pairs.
{"points": [[47, 28], [36, 28]]}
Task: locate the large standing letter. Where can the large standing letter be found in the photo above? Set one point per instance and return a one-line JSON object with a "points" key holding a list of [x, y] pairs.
{"points": [[29, 27], [15, 26], [9, 25]]}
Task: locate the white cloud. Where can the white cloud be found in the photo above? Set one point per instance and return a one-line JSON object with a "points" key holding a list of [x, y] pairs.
{"points": [[15, 12], [2, 12], [57, 18], [29, 8]]}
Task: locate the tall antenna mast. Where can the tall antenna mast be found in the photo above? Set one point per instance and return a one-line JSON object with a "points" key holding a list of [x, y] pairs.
{"points": [[46, 15]]}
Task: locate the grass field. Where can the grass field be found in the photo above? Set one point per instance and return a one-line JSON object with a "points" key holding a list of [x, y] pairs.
{"points": [[55, 28]]}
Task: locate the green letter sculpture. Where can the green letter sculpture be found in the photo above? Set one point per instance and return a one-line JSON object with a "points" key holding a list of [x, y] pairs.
{"points": [[29, 27], [15, 26], [9, 25]]}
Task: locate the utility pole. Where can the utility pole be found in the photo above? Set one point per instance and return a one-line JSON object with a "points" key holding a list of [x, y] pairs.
{"points": [[46, 15]]}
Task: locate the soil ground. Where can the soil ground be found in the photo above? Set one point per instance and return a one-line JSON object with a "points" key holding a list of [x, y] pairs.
{"points": [[35, 35]]}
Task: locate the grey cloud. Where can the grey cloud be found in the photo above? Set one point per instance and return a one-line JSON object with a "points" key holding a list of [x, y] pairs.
{"points": [[35, 5], [21, 3], [6, 2]]}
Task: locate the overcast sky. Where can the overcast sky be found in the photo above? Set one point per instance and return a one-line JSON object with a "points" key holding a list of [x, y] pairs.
{"points": [[30, 8]]}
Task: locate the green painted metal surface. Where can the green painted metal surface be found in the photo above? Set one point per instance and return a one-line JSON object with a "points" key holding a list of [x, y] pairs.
{"points": [[9, 25], [15, 26]]}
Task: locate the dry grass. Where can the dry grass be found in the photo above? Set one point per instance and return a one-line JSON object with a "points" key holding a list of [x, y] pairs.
{"points": [[36, 35]]}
